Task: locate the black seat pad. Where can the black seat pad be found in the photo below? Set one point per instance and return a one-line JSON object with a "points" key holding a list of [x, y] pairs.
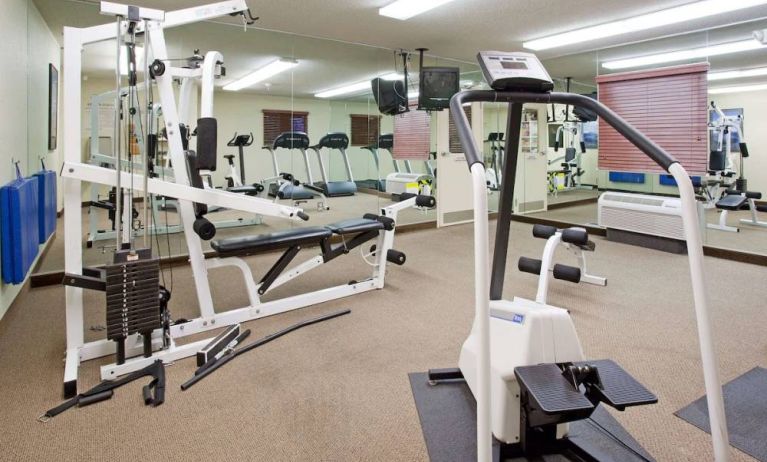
{"points": [[731, 202], [355, 225], [247, 190], [270, 241]]}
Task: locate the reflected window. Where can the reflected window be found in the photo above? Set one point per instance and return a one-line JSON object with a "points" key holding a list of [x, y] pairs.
{"points": [[277, 121], [365, 129]]}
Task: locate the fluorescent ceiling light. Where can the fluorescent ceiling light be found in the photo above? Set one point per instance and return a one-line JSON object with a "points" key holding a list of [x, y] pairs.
{"points": [[725, 75], [738, 89], [660, 18], [358, 87], [271, 69], [406, 9], [703, 52]]}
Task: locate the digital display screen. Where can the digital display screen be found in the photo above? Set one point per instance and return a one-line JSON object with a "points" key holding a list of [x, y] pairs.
{"points": [[513, 65]]}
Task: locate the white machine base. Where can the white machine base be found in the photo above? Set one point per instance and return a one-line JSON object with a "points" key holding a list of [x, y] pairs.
{"points": [[522, 332]]}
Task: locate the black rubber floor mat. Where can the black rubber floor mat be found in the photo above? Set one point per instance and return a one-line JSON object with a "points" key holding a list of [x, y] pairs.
{"points": [[745, 405], [448, 420]]}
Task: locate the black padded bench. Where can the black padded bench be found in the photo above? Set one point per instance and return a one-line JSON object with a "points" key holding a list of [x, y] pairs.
{"points": [[292, 240], [271, 241], [731, 202]]}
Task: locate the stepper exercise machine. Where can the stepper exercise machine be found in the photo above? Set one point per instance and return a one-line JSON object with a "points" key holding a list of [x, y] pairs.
{"points": [[522, 360]]}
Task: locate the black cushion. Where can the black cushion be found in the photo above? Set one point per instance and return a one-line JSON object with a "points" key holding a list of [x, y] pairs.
{"points": [[355, 225], [248, 190], [271, 241], [731, 202], [761, 208]]}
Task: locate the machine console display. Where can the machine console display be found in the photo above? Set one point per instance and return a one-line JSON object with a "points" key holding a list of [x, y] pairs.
{"points": [[514, 71]]}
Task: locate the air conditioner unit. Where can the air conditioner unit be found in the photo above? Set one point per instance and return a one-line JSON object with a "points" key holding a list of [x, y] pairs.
{"points": [[642, 213]]}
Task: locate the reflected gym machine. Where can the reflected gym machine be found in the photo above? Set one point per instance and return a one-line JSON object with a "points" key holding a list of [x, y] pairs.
{"points": [[726, 195], [340, 142]]}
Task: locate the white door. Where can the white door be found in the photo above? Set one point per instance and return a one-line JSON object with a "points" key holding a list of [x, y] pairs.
{"points": [[454, 195]]}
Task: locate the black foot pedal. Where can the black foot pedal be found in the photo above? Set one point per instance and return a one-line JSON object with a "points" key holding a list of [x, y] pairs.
{"points": [[619, 389], [551, 393]]}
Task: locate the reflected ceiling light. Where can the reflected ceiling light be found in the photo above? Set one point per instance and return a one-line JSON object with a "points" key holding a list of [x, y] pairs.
{"points": [[358, 87], [660, 18], [406, 9], [271, 69], [682, 55], [738, 89], [725, 75]]}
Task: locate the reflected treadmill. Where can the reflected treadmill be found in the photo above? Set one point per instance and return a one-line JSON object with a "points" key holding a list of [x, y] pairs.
{"points": [[335, 141]]}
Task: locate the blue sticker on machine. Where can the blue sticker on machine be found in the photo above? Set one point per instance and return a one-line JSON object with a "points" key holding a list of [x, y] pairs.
{"points": [[518, 318]]}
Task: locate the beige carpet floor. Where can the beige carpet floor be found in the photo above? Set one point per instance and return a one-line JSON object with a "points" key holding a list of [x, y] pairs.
{"points": [[339, 390]]}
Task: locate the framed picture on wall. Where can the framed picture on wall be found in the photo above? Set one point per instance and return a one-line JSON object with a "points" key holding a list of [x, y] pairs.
{"points": [[53, 106], [734, 135]]}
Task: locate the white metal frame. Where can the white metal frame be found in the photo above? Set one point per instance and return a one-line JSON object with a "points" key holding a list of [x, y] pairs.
{"points": [[547, 266], [75, 172], [700, 295]]}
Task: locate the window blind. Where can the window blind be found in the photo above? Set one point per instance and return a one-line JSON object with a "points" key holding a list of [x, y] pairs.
{"points": [[669, 105]]}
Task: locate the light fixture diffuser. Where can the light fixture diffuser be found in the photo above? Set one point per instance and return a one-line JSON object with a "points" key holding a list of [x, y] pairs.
{"points": [[271, 69], [737, 89], [682, 55], [406, 9], [737, 74], [357, 87], [688, 12]]}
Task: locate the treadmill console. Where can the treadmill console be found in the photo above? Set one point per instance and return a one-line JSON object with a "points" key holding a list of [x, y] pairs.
{"points": [[514, 71]]}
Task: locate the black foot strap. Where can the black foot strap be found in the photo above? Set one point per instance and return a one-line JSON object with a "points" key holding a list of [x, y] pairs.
{"points": [[105, 390]]}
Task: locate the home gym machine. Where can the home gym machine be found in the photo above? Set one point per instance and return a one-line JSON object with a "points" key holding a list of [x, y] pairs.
{"points": [[340, 142], [725, 195], [574, 239], [235, 180], [522, 360], [140, 330], [568, 177], [284, 185]]}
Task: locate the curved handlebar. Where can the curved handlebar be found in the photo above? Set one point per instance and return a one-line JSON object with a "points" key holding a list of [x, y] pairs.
{"points": [[233, 141], [644, 144]]}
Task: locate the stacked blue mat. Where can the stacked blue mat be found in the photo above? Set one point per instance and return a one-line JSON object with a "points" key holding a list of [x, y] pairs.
{"points": [[27, 219]]}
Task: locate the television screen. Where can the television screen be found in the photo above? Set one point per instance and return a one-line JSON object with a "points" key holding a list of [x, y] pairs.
{"points": [[586, 115], [437, 85], [390, 96]]}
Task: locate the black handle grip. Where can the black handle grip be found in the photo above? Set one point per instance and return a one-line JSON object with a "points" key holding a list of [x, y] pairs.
{"points": [[567, 273], [577, 236], [396, 257], [556, 146], [425, 201], [544, 231], [231, 142], [204, 228], [302, 216], [583, 147], [95, 398], [529, 265]]}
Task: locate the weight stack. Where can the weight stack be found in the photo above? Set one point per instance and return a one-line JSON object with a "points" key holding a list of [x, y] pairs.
{"points": [[133, 301]]}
